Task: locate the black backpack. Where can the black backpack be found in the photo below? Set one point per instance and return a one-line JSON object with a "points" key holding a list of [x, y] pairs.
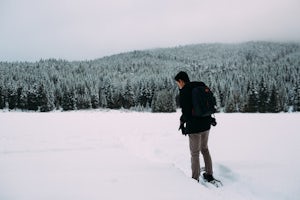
{"points": [[204, 101]]}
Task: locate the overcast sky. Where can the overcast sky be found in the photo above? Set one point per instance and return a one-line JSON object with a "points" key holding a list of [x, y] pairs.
{"points": [[89, 29]]}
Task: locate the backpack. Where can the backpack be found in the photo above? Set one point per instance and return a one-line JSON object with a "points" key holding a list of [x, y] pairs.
{"points": [[204, 101]]}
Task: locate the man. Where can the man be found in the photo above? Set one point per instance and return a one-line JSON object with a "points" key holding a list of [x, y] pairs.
{"points": [[197, 128]]}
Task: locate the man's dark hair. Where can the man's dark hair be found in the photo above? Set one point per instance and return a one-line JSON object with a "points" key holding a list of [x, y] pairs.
{"points": [[183, 76]]}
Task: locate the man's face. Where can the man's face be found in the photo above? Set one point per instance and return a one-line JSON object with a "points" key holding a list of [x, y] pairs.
{"points": [[180, 83]]}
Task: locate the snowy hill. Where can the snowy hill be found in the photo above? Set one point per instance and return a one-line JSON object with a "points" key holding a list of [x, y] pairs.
{"points": [[247, 77], [130, 155]]}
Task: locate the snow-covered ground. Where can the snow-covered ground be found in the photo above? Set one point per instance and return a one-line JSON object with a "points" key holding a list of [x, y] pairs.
{"points": [[91, 155]]}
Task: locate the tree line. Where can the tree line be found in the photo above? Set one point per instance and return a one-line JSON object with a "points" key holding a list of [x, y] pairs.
{"points": [[246, 77]]}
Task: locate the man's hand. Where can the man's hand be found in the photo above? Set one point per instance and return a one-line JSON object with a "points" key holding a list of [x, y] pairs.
{"points": [[182, 128]]}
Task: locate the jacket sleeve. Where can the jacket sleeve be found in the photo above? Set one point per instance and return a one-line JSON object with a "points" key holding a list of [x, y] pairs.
{"points": [[185, 104]]}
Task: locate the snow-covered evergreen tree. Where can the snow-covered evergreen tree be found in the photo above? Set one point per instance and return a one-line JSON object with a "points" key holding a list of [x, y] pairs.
{"points": [[2, 98], [69, 100], [252, 101], [263, 96], [273, 102], [164, 101], [128, 97]]}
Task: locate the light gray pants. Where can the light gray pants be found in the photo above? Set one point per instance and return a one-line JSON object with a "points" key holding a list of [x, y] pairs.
{"points": [[198, 142]]}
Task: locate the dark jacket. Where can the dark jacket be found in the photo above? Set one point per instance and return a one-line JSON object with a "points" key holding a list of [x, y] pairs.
{"points": [[193, 124]]}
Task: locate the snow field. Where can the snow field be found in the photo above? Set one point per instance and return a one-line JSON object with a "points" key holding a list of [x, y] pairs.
{"points": [[131, 155]]}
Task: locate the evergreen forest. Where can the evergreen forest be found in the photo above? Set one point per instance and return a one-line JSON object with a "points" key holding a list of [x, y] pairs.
{"points": [[245, 77]]}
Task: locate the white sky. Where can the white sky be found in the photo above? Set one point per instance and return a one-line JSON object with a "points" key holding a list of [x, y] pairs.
{"points": [[88, 29]]}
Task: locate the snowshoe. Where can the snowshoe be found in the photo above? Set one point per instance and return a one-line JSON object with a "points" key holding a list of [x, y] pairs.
{"points": [[208, 178]]}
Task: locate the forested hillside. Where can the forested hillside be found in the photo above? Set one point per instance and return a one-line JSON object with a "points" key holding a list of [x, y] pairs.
{"points": [[246, 77]]}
